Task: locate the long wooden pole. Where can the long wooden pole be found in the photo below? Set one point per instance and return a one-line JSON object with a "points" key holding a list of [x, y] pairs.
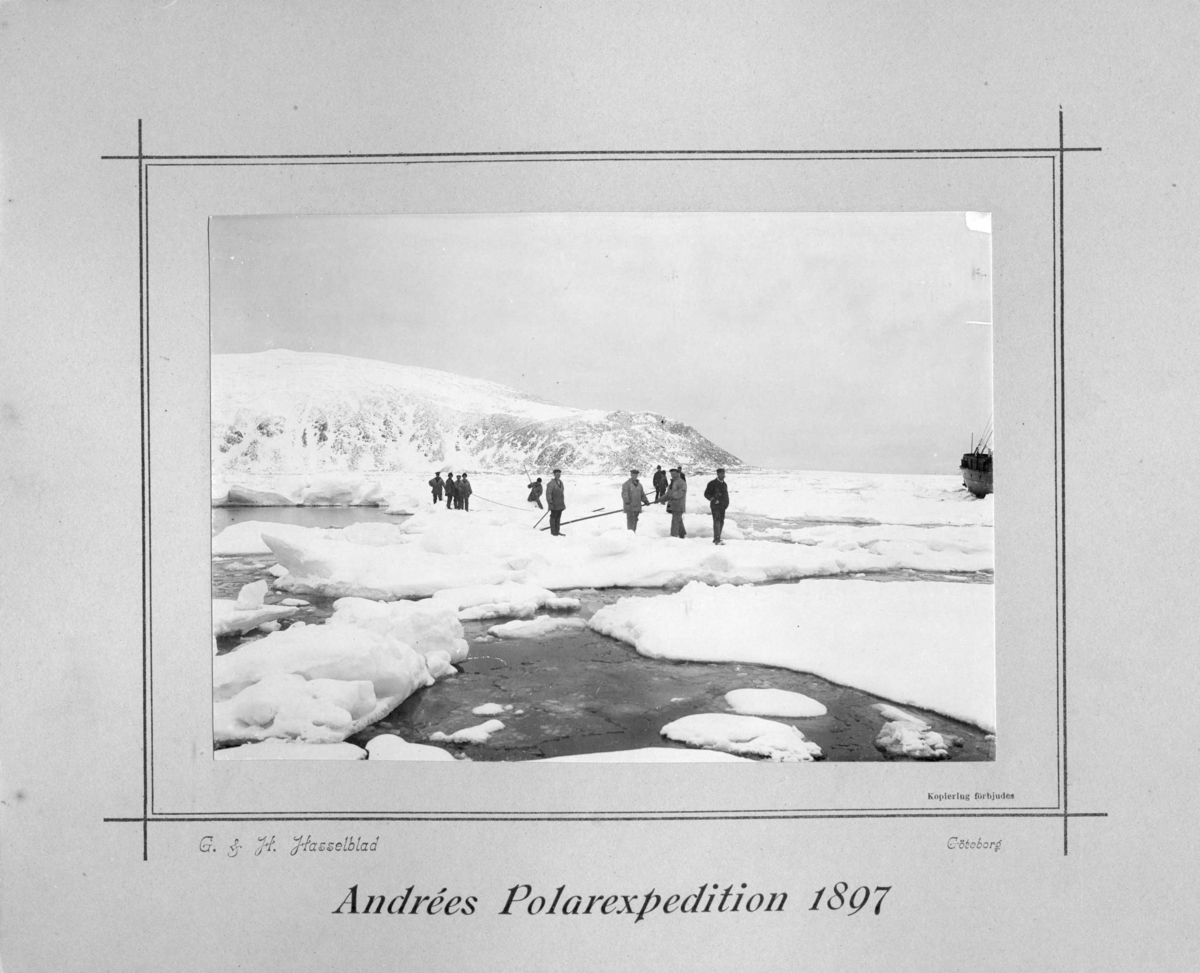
{"points": [[590, 517], [594, 516]]}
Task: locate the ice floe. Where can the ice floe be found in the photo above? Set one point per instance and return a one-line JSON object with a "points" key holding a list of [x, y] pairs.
{"points": [[905, 735], [337, 568], [507, 600], [537, 628], [333, 489], [928, 644], [773, 702], [649, 755], [490, 709], [247, 612], [428, 626], [323, 683], [291, 750], [417, 564], [470, 734], [388, 746], [742, 735]]}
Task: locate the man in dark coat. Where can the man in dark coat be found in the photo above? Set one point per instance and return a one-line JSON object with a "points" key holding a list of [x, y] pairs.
{"points": [[556, 501], [535, 493], [450, 490], [464, 492], [436, 485], [633, 498], [659, 482], [717, 495]]}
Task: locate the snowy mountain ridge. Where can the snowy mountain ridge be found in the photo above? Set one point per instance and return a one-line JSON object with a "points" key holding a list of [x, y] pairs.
{"points": [[284, 411]]}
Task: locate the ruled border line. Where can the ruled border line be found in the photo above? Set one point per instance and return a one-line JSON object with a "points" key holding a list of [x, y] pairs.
{"points": [[1057, 156]]}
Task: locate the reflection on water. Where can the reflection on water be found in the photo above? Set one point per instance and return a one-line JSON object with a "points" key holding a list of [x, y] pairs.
{"points": [[223, 517]]}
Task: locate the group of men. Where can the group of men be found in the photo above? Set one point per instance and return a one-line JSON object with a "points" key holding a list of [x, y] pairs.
{"points": [[633, 499], [457, 490], [674, 493]]}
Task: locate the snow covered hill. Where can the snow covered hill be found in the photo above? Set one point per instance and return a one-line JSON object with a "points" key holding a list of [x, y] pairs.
{"points": [[301, 412]]}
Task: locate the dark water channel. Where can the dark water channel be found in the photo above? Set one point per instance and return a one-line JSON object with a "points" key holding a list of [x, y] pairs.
{"points": [[584, 692]]}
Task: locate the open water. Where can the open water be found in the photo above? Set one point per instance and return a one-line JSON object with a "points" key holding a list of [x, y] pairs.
{"points": [[584, 692]]}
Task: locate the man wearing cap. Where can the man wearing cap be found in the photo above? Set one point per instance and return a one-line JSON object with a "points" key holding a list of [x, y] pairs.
{"points": [[464, 492], [633, 498], [717, 495], [556, 501], [677, 503]]}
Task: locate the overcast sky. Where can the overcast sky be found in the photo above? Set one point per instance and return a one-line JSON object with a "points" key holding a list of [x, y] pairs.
{"points": [[821, 341]]}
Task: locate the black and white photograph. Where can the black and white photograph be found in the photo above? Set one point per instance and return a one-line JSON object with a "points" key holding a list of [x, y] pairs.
{"points": [[603, 487], [514, 485]]}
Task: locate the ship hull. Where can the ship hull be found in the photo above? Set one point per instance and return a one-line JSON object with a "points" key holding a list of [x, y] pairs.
{"points": [[977, 481]]}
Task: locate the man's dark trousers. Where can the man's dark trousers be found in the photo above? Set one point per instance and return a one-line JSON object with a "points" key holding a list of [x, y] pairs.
{"points": [[718, 523]]}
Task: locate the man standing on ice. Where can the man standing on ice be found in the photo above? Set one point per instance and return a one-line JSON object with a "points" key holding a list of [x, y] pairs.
{"points": [[535, 493], [556, 501], [436, 485], [717, 495], [660, 483], [449, 490], [677, 503], [464, 492], [633, 498]]}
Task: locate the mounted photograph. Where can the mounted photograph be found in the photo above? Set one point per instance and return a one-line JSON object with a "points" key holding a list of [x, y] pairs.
{"points": [[603, 487]]}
